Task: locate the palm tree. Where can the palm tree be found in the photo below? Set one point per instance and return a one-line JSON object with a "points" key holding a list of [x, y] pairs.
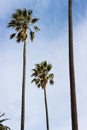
{"points": [[41, 77], [22, 21], [71, 70], [3, 127]]}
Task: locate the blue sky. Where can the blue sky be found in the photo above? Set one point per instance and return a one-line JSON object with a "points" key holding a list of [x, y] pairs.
{"points": [[50, 44]]}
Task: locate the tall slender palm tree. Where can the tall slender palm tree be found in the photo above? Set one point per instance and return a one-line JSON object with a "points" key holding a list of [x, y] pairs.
{"points": [[22, 21], [41, 77], [71, 70]]}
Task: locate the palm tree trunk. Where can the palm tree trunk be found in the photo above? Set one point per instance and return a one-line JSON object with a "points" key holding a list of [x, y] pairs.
{"points": [[23, 88], [71, 71], [46, 108]]}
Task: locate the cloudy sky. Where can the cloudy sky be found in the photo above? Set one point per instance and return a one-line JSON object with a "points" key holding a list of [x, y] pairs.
{"points": [[50, 44]]}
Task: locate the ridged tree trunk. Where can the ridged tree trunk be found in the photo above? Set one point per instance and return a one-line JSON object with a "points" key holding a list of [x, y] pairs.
{"points": [[23, 88], [46, 108], [71, 70]]}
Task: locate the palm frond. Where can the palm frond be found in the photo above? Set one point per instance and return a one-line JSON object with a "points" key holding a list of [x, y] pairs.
{"points": [[18, 28], [36, 28], [33, 80], [34, 20], [3, 120], [49, 67], [44, 63], [19, 11], [38, 85], [34, 74], [37, 65], [12, 23], [12, 35], [37, 81], [19, 15], [31, 35], [34, 70], [19, 24], [25, 12], [51, 75], [18, 40], [51, 81], [18, 35], [29, 16], [30, 12], [14, 16], [2, 114]]}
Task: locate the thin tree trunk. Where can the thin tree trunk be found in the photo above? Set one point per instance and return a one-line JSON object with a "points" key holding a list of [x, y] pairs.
{"points": [[46, 108], [71, 71], [23, 88]]}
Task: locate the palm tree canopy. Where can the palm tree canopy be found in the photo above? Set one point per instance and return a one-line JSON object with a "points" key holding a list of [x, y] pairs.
{"points": [[2, 127], [41, 74], [22, 21]]}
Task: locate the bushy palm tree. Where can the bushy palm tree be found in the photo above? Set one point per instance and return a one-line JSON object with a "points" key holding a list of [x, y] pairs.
{"points": [[41, 77], [22, 21], [3, 127], [71, 70]]}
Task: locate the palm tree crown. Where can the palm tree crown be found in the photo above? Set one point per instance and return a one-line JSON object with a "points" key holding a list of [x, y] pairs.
{"points": [[22, 21], [3, 127], [41, 74]]}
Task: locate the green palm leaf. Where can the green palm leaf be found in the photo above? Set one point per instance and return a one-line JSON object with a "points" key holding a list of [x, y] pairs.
{"points": [[51, 75], [30, 12], [34, 20], [51, 81], [3, 120], [12, 35], [2, 114], [31, 35], [36, 28]]}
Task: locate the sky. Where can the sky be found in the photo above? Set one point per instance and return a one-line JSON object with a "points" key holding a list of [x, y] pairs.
{"points": [[50, 44]]}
